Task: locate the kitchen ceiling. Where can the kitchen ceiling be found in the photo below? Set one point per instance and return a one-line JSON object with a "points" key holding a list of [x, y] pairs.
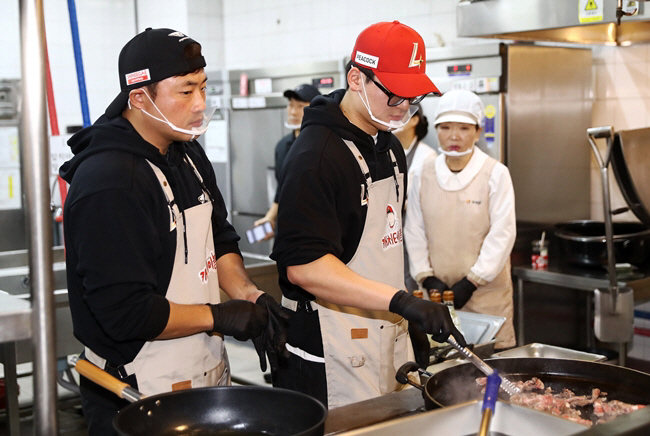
{"points": [[554, 21]]}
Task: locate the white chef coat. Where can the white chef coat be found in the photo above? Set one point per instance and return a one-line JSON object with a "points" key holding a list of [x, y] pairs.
{"points": [[498, 243]]}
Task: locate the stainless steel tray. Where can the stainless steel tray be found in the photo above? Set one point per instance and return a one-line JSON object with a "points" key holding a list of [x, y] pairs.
{"points": [[479, 328], [550, 351]]}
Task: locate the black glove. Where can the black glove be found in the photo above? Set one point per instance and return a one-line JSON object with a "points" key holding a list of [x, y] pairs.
{"points": [[421, 345], [239, 318], [431, 317], [463, 290], [433, 282], [273, 339]]}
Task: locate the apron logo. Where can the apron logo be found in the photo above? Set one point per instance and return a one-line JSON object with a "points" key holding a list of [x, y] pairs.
{"points": [[469, 201], [393, 236], [210, 266]]}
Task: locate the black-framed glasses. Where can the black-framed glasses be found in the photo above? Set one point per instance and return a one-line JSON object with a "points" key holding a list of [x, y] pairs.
{"points": [[394, 100]]}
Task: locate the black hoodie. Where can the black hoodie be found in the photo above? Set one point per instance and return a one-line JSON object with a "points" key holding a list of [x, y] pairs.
{"points": [[320, 209], [119, 247]]}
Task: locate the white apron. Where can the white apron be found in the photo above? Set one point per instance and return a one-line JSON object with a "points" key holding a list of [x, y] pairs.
{"points": [[363, 349], [457, 223], [200, 359]]}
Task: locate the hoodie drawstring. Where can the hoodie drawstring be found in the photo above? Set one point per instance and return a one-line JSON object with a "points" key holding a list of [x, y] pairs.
{"points": [[184, 235], [395, 178]]}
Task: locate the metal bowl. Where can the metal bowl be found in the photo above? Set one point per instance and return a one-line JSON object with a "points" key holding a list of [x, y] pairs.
{"points": [[583, 242]]}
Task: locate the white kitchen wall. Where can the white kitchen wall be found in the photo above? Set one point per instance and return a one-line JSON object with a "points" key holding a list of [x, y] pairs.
{"points": [[622, 100], [104, 27], [284, 32]]}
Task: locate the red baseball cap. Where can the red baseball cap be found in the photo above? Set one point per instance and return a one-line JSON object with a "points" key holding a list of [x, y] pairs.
{"points": [[397, 56]]}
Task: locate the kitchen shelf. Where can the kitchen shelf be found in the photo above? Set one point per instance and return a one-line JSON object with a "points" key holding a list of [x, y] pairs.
{"points": [[585, 279]]}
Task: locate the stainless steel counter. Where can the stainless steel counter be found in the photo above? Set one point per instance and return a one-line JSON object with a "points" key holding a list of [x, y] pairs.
{"points": [[585, 279], [364, 413], [579, 278], [402, 407]]}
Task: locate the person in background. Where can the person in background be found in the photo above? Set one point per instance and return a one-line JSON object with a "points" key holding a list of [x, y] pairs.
{"points": [[460, 220], [410, 136], [147, 241], [338, 245], [299, 98]]}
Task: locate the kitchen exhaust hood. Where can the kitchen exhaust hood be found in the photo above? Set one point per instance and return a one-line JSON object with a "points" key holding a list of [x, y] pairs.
{"points": [[564, 21]]}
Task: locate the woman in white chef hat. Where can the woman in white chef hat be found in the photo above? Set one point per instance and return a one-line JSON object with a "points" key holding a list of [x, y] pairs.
{"points": [[460, 220]]}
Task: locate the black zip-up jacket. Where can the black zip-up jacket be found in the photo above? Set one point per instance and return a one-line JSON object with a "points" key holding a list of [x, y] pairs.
{"points": [[119, 247], [320, 209]]}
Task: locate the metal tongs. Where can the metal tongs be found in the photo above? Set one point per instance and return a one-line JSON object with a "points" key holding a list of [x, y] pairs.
{"points": [[506, 384]]}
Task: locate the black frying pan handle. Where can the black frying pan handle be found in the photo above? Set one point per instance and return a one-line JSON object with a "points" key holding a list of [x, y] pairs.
{"points": [[402, 374]]}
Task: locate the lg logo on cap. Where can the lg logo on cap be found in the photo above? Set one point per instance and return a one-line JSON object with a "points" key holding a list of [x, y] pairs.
{"points": [[415, 62]]}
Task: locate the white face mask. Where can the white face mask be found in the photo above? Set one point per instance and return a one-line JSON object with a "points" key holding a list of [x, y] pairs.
{"points": [[392, 124], [454, 153], [195, 131], [291, 126]]}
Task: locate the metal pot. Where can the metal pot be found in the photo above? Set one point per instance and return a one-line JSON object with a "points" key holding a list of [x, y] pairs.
{"points": [[583, 242], [220, 410], [457, 384]]}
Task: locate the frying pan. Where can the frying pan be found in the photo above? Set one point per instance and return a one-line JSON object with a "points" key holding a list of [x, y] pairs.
{"points": [[219, 410], [457, 384]]}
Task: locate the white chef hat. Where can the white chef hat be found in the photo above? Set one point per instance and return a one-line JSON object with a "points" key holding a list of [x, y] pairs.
{"points": [[460, 106]]}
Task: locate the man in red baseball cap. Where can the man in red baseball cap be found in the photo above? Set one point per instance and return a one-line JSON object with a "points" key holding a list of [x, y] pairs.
{"points": [[349, 319]]}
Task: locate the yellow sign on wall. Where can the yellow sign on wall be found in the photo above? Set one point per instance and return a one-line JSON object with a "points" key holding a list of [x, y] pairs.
{"points": [[590, 11]]}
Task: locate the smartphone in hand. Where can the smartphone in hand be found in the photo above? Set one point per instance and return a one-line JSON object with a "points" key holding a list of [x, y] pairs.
{"points": [[258, 233]]}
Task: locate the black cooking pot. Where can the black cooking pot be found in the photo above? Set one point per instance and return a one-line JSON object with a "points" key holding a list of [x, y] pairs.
{"points": [[219, 410], [583, 242], [457, 384]]}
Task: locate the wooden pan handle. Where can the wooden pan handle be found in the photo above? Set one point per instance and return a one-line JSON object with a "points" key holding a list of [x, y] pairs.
{"points": [[101, 377]]}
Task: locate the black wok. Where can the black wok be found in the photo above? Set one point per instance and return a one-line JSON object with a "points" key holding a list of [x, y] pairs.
{"points": [[583, 242], [221, 410], [457, 384]]}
